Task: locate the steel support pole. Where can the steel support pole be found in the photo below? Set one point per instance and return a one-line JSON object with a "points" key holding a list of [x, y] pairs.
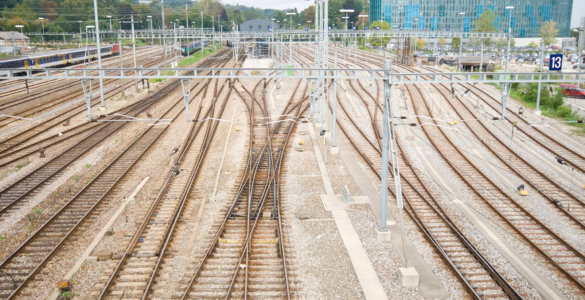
{"points": [[481, 57], [385, 145], [540, 82], [99, 52], [87, 95], [334, 125], [506, 89], [186, 96], [162, 8], [122, 89]]}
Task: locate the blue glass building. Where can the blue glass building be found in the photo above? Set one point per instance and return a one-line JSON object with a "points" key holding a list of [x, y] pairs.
{"points": [[527, 15]]}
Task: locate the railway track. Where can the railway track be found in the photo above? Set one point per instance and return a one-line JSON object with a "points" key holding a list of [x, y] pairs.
{"points": [[247, 256], [52, 111], [478, 276], [14, 193], [562, 256], [575, 159], [560, 198], [9, 89], [23, 263], [135, 272]]}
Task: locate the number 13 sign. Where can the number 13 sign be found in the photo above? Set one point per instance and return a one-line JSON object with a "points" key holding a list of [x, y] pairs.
{"points": [[556, 62]]}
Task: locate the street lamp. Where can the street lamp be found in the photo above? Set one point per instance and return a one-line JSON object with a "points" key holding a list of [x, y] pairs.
{"points": [[509, 34], [43, 25], [291, 14], [346, 17], [462, 14], [80, 42], [110, 19], [151, 31], [505, 91], [580, 41], [363, 22], [86, 31], [20, 26]]}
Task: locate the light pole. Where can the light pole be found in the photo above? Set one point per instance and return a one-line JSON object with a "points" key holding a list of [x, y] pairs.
{"points": [[290, 38], [151, 31], [80, 42], [505, 92], [162, 9], [363, 21], [202, 45], [110, 20], [87, 31], [509, 35], [346, 17], [272, 37], [14, 48], [99, 51], [187, 16], [43, 35], [580, 41], [462, 14], [363, 17], [291, 14]]}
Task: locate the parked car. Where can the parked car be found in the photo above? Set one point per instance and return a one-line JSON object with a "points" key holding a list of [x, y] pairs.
{"points": [[572, 90]]}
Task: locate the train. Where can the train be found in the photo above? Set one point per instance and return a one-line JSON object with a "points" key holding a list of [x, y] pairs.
{"points": [[190, 49], [57, 59]]}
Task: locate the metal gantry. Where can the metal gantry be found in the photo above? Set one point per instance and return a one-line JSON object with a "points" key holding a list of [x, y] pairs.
{"points": [[294, 73]]}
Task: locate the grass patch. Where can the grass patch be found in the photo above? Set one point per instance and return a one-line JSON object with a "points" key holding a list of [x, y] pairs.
{"points": [[67, 295], [19, 166], [550, 105], [138, 42], [188, 61], [88, 166]]}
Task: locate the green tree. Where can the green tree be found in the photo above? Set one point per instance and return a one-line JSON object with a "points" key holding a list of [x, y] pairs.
{"points": [[375, 39], [456, 42], [420, 44], [548, 32], [486, 22]]}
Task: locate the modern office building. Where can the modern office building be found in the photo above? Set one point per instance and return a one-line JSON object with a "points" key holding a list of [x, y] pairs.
{"points": [[526, 17]]}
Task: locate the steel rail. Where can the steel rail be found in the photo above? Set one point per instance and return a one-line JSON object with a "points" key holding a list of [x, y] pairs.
{"points": [[526, 215], [191, 135]]}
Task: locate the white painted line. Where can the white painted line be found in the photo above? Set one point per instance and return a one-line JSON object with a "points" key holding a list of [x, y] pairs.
{"points": [[98, 238], [227, 139], [366, 274]]}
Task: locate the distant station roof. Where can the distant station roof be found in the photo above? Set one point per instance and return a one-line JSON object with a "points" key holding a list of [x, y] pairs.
{"points": [[8, 35], [257, 25]]}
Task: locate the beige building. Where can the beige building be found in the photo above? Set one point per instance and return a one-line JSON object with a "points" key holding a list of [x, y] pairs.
{"points": [[10, 38]]}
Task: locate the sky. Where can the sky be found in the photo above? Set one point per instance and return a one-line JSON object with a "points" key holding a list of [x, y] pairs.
{"points": [[578, 6]]}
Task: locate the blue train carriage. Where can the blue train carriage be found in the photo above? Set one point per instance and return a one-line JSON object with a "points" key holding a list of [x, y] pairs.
{"points": [[57, 59], [190, 49]]}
